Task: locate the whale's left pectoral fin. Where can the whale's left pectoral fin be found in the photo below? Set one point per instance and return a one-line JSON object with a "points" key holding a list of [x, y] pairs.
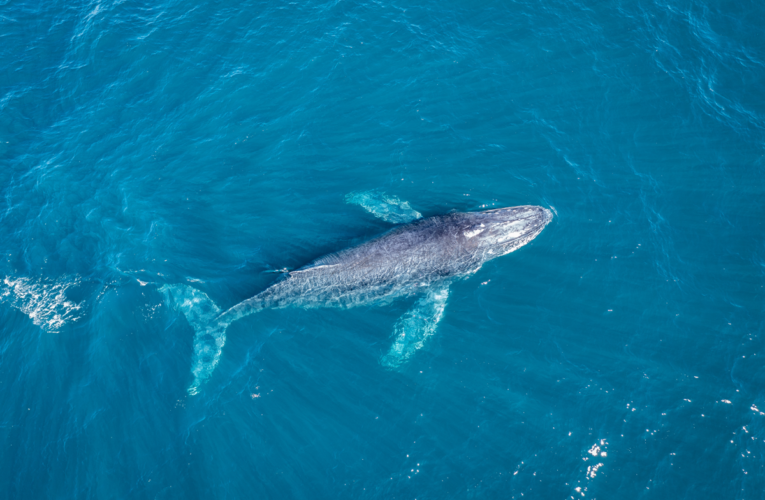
{"points": [[383, 206], [415, 326]]}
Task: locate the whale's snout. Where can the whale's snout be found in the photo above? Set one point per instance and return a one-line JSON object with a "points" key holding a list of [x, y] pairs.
{"points": [[528, 217], [548, 215], [506, 229]]}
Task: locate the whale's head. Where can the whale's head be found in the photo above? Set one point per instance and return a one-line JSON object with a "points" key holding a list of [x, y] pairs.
{"points": [[503, 230]]}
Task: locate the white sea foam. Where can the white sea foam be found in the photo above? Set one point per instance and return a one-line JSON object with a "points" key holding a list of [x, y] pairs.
{"points": [[44, 301], [199, 311], [382, 206], [415, 326]]}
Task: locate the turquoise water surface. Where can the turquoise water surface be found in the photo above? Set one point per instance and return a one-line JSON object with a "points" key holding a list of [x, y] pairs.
{"points": [[158, 159]]}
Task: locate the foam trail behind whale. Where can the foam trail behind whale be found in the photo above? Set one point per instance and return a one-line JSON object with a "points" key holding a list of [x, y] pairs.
{"points": [[46, 302], [209, 337]]}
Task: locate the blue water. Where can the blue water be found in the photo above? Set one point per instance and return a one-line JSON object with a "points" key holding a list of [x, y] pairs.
{"points": [[201, 144]]}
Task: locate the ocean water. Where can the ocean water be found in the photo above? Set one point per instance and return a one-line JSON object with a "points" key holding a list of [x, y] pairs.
{"points": [[159, 159]]}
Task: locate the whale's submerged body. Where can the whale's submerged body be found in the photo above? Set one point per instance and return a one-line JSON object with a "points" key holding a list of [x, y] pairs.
{"points": [[421, 256]]}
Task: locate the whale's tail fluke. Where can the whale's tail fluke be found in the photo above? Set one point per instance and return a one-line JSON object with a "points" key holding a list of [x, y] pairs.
{"points": [[209, 330]]}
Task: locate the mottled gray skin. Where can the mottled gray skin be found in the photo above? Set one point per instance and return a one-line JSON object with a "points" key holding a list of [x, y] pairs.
{"points": [[401, 261]]}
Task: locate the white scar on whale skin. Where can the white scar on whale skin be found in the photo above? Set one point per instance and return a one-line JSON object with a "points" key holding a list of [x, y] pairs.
{"points": [[418, 258]]}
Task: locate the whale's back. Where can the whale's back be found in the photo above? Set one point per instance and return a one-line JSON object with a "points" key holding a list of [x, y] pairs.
{"points": [[395, 263]]}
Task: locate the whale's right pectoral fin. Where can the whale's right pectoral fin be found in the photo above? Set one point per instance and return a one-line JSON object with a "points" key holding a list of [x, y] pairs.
{"points": [[383, 206], [415, 326]]}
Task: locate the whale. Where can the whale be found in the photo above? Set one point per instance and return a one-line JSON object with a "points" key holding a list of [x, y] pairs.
{"points": [[419, 257]]}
